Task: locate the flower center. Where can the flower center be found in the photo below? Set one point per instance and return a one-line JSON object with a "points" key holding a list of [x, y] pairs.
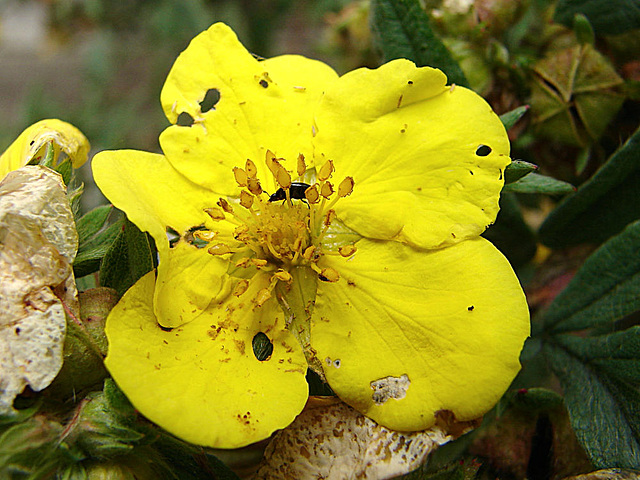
{"points": [[275, 233]]}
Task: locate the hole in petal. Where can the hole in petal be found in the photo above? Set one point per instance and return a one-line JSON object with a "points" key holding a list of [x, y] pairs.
{"points": [[262, 347], [483, 150], [184, 120], [211, 98]]}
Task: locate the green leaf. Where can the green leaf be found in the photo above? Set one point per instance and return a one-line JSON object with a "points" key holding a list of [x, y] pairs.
{"points": [[509, 119], [608, 17], [401, 29], [600, 377], [90, 224], [604, 290], [602, 206], [131, 255], [518, 169], [536, 183], [91, 253]]}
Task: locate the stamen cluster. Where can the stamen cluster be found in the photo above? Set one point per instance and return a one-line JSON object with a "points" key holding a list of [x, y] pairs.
{"points": [[278, 232]]}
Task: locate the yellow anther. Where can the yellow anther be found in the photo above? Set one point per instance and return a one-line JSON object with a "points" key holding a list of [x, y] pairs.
{"points": [[262, 296], [250, 168], [282, 176], [302, 166], [311, 194], [246, 199], [308, 253], [346, 187], [240, 176], [259, 262], [241, 287], [326, 190], [347, 250], [329, 275], [326, 170], [243, 262], [222, 203], [329, 217], [204, 235], [253, 184], [219, 249], [283, 276], [270, 159], [215, 213]]}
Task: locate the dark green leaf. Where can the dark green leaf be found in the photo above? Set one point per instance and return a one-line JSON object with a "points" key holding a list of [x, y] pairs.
{"points": [[608, 17], [604, 290], [510, 233], [602, 206], [518, 169], [536, 183], [509, 119], [402, 30], [91, 253], [130, 256], [600, 377]]}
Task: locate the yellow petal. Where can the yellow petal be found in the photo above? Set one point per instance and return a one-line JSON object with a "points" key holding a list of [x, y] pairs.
{"points": [[202, 381], [410, 144], [32, 142], [262, 105], [406, 333], [189, 280], [152, 193]]}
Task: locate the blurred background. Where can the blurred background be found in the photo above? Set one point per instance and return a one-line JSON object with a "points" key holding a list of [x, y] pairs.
{"points": [[100, 65]]}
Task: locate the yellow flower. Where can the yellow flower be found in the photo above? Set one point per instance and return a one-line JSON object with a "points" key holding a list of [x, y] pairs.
{"points": [[373, 273], [30, 146]]}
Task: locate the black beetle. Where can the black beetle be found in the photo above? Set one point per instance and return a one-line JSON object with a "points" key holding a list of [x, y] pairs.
{"points": [[296, 192]]}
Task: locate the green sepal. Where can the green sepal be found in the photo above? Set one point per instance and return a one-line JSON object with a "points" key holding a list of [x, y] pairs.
{"points": [[510, 118], [130, 256], [65, 168], [518, 169], [583, 29], [401, 29], [609, 18], [603, 291], [602, 206], [536, 183]]}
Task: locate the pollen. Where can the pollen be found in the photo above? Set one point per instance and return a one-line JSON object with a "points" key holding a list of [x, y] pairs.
{"points": [[278, 231]]}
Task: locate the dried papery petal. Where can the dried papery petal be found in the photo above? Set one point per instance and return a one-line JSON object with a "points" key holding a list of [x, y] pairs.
{"points": [[38, 242], [331, 440]]}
